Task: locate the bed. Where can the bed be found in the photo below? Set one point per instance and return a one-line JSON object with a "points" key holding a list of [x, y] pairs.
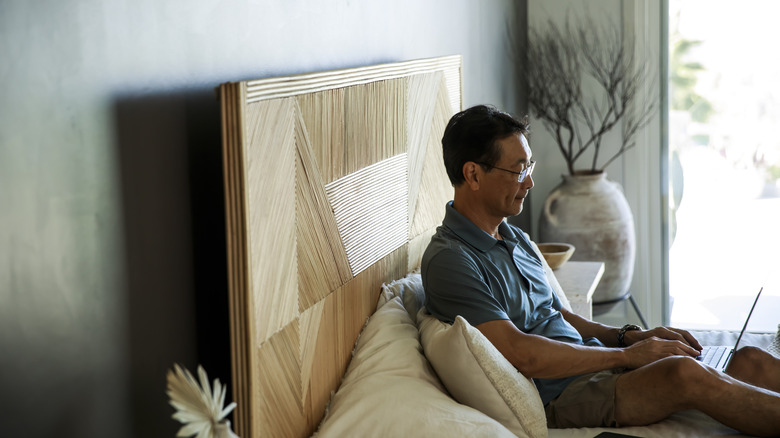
{"points": [[334, 185]]}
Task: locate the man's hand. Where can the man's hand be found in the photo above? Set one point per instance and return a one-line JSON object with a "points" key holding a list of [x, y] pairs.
{"points": [[668, 333], [651, 349]]}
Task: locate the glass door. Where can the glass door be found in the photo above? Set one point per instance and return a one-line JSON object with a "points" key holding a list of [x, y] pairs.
{"points": [[724, 141]]}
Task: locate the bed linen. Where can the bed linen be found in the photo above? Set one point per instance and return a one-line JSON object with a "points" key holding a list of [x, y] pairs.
{"points": [[682, 424], [390, 389], [406, 398]]}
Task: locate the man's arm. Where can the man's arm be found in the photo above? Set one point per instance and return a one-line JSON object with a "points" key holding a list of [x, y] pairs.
{"points": [[592, 329], [608, 335], [539, 357]]}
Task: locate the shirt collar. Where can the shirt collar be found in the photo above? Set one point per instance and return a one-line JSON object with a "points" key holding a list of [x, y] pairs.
{"points": [[472, 234]]}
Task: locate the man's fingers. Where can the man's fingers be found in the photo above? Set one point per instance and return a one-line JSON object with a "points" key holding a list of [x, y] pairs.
{"points": [[680, 348], [692, 341], [691, 351], [683, 336], [688, 338], [686, 349], [674, 334]]}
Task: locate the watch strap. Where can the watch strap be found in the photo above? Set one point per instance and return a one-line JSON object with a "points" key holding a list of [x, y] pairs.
{"points": [[621, 337]]}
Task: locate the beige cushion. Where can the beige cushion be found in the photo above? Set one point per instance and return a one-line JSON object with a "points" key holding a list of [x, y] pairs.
{"points": [[478, 375], [390, 390], [410, 289]]}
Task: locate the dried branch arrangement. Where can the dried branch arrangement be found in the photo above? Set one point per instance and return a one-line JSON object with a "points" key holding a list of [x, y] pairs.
{"points": [[583, 80]]}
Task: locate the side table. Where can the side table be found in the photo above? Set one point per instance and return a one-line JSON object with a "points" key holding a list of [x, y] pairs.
{"points": [[578, 281]]}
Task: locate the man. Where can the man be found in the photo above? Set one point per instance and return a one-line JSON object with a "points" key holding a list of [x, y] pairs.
{"points": [[588, 374]]}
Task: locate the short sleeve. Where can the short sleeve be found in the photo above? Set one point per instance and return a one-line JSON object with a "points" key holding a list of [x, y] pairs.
{"points": [[556, 302], [454, 284]]}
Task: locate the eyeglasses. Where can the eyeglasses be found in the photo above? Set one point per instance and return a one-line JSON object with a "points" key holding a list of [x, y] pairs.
{"points": [[521, 176]]}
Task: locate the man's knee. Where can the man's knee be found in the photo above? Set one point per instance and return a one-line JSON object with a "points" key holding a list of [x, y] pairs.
{"points": [[668, 385], [748, 361], [749, 355], [685, 374]]}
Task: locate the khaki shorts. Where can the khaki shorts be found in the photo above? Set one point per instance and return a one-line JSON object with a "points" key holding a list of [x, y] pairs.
{"points": [[588, 401]]}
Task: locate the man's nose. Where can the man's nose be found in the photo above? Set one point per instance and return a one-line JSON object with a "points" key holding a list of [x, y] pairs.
{"points": [[528, 182]]}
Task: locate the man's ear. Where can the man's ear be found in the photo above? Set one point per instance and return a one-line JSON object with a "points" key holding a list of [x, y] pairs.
{"points": [[471, 172]]}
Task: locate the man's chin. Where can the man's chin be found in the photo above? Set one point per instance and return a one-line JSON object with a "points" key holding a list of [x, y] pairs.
{"points": [[519, 207], [516, 211]]}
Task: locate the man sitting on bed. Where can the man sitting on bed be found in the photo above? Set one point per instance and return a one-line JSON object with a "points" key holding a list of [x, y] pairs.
{"points": [[588, 374]]}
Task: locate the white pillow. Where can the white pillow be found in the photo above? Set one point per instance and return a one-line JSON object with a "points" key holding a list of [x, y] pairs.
{"points": [[478, 375], [390, 390], [410, 289]]}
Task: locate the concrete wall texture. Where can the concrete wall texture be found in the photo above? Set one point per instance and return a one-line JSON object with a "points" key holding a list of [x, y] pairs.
{"points": [[112, 247]]}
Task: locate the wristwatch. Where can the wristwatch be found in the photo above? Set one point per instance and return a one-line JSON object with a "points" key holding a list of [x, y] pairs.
{"points": [[622, 333]]}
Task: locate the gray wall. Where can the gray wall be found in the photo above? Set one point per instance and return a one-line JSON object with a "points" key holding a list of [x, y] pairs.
{"points": [[112, 248]]}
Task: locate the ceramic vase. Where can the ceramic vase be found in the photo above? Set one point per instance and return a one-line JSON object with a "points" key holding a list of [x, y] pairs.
{"points": [[592, 213], [223, 430]]}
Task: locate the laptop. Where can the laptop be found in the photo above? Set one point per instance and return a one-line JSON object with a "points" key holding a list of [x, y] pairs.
{"points": [[719, 357]]}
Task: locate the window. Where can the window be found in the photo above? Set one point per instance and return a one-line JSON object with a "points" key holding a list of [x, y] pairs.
{"points": [[724, 139]]}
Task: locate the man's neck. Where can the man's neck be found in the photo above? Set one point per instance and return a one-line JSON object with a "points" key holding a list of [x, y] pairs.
{"points": [[483, 221]]}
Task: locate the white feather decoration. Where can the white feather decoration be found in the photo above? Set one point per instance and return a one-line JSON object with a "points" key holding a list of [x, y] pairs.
{"points": [[199, 407]]}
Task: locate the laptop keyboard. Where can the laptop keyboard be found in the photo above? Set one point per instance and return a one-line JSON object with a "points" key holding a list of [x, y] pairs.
{"points": [[712, 355]]}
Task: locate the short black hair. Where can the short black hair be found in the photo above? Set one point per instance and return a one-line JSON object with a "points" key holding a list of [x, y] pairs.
{"points": [[473, 135]]}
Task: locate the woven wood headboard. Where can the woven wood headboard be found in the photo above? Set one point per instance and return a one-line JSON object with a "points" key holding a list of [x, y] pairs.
{"points": [[334, 184]]}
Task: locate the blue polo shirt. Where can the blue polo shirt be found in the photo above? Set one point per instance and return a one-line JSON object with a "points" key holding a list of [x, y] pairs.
{"points": [[467, 272]]}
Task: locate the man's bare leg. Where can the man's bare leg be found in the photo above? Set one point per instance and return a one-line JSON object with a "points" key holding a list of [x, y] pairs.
{"points": [[653, 392], [757, 367]]}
